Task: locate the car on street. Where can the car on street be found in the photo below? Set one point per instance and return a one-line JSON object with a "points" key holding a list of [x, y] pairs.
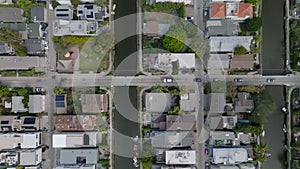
{"points": [[167, 80], [284, 109], [46, 47], [197, 80], [238, 80], [39, 89], [270, 80], [206, 151]]}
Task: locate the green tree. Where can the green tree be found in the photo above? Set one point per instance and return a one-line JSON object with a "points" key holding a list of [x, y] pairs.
{"points": [[253, 24], [59, 90], [4, 90], [22, 91], [251, 1], [176, 111], [198, 46], [260, 151], [240, 50], [247, 128], [191, 30], [174, 40]]}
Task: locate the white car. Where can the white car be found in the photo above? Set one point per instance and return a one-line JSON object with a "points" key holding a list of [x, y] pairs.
{"points": [[46, 47], [284, 109], [167, 80]]}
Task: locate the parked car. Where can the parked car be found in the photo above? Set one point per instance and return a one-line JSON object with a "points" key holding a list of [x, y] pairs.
{"points": [[39, 89], [238, 80], [197, 80], [46, 47], [206, 151], [270, 80], [167, 80], [284, 109]]}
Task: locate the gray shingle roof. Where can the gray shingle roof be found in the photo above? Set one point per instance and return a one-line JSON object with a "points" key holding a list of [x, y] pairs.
{"points": [[8, 14]]}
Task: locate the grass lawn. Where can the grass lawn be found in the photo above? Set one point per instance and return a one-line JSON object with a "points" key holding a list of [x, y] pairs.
{"points": [[93, 63], [147, 165]]}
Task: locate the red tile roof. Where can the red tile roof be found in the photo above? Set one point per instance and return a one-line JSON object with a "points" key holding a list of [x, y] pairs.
{"points": [[218, 10], [245, 9]]}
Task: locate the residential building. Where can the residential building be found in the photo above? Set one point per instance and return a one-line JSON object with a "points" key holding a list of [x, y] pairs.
{"points": [[180, 157], [94, 103], [20, 27], [229, 156], [18, 63], [218, 122], [229, 43], [187, 102], [61, 103], [17, 104], [6, 49], [75, 27], [76, 166], [157, 102], [34, 30], [243, 103], [155, 29], [64, 2], [186, 2], [170, 62], [30, 157], [224, 167], [76, 123], [38, 14], [184, 122], [22, 140], [247, 166], [242, 62], [63, 12], [25, 123], [91, 12], [233, 10], [215, 102], [222, 27], [36, 103], [158, 121], [74, 139], [170, 139], [6, 2], [218, 64], [34, 47], [78, 156], [9, 159], [9, 14], [220, 138]]}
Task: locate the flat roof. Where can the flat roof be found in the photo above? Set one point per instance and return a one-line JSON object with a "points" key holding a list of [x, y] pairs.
{"points": [[229, 155], [18, 63], [36, 103], [228, 43], [158, 102], [73, 156], [68, 139], [181, 157]]}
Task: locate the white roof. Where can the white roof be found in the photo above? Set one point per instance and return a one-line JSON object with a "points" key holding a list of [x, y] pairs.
{"points": [[186, 2], [228, 43], [26, 140], [59, 140], [36, 103], [17, 104], [31, 157], [81, 139], [182, 157], [185, 60], [229, 155]]}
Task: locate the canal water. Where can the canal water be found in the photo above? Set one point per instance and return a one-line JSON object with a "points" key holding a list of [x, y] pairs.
{"points": [[273, 60], [125, 114]]}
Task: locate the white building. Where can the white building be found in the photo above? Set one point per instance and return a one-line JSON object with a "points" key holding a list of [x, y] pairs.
{"points": [[22, 140], [230, 156], [228, 43], [36, 103], [180, 157], [69, 140]]}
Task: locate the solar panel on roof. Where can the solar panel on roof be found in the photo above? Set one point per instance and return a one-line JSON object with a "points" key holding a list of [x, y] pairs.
{"points": [[60, 98], [29, 120], [4, 122], [60, 104], [61, 15]]}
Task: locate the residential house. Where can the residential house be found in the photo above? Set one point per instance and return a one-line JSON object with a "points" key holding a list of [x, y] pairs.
{"points": [[94, 103], [155, 29], [218, 64], [30, 157], [230, 156], [91, 12], [6, 49], [64, 2], [78, 156], [242, 62], [229, 43], [76, 123], [36, 103], [9, 159], [238, 11], [63, 27], [17, 104], [34, 30], [243, 103], [170, 62], [34, 47], [21, 140], [61, 103], [180, 157], [63, 12], [20, 27], [66, 62], [9, 14], [158, 121], [18, 63], [224, 167], [215, 102], [158, 102], [222, 27], [218, 122], [74, 139], [184, 122], [6, 2], [186, 2], [187, 102], [76, 166], [38, 14], [25, 123], [221, 138], [170, 139]]}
